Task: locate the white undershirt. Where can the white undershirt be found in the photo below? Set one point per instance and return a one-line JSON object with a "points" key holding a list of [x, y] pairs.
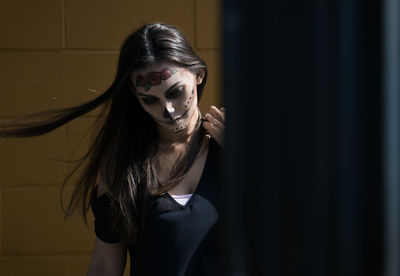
{"points": [[182, 199]]}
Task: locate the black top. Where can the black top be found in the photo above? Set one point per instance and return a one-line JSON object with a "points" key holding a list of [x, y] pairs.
{"points": [[178, 240]]}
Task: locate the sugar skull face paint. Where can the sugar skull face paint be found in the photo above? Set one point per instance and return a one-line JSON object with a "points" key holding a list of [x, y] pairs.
{"points": [[154, 78], [172, 100]]}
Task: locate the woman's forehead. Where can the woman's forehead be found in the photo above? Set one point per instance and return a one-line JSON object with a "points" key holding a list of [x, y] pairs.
{"points": [[159, 76], [154, 67]]}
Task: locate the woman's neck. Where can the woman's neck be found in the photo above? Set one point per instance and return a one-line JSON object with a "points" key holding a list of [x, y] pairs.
{"points": [[167, 137]]}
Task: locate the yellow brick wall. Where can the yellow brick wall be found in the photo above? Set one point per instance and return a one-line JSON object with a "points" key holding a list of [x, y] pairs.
{"points": [[57, 53]]}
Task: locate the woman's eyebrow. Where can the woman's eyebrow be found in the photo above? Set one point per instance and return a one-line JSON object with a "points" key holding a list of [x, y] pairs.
{"points": [[145, 95], [172, 87]]}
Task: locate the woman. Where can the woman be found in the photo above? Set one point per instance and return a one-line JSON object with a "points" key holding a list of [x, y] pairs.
{"points": [[151, 174]]}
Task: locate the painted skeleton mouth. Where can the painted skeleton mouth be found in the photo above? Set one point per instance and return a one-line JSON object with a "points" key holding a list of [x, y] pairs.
{"points": [[173, 121]]}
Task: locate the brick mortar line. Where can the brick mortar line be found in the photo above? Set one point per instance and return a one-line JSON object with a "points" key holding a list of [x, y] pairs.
{"points": [[1, 221], [48, 255], [33, 186], [195, 24], [6, 119], [64, 22], [61, 50]]}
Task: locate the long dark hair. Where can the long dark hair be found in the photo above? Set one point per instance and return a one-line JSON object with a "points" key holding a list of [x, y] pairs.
{"points": [[124, 148]]}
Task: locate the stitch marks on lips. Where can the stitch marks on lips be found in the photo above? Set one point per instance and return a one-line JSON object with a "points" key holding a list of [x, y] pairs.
{"points": [[154, 78]]}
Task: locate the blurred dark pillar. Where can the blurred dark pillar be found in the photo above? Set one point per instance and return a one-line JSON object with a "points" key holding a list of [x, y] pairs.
{"points": [[304, 182], [391, 130]]}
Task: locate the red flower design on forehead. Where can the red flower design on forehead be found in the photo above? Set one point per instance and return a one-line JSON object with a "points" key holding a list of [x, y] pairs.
{"points": [[140, 81], [154, 78], [166, 73]]}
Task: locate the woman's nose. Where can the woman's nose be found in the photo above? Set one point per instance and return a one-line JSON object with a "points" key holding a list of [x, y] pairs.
{"points": [[168, 110]]}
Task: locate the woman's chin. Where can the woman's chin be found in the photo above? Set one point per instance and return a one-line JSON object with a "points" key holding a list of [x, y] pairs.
{"points": [[178, 128], [174, 128]]}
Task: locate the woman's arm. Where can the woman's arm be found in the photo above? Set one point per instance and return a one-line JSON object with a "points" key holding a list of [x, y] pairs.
{"points": [[108, 259]]}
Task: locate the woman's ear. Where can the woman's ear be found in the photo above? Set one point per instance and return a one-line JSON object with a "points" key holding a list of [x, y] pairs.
{"points": [[200, 76]]}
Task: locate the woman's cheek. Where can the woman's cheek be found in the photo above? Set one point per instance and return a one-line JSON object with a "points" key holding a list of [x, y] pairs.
{"points": [[149, 110], [189, 100]]}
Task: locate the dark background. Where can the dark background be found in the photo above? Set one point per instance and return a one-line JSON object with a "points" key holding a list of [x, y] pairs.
{"points": [[310, 183]]}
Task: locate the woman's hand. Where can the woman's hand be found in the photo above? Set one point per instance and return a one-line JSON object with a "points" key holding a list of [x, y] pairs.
{"points": [[214, 123]]}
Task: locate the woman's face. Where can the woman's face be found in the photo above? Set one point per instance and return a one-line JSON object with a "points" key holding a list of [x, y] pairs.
{"points": [[168, 93]]}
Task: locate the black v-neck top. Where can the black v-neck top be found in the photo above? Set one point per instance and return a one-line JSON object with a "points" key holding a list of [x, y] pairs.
{"points": [[178, 240]]}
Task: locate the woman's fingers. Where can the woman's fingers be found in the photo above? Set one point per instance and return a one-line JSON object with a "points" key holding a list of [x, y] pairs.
{"points": [[218, 114], [215, 130], [214, 123]]}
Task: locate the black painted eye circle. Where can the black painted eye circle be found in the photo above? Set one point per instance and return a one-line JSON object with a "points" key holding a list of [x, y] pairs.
{"points": [[175, 93], [150, 100]]}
